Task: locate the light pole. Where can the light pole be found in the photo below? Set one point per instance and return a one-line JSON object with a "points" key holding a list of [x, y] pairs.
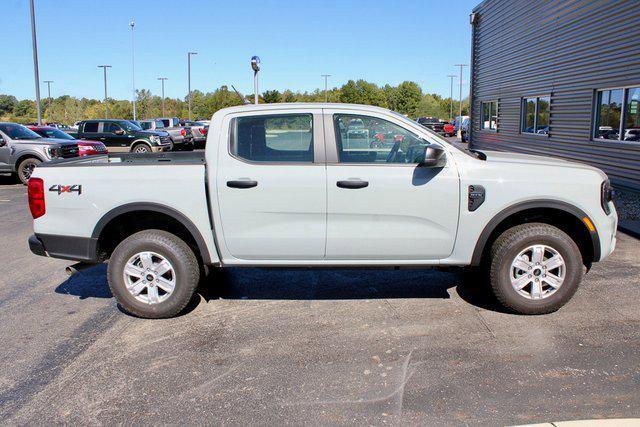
{"points": [[162, 79], [106, 104], [48, 82], [132, 24], [255, 64], [189, 78], [326, 94], [35, 62], [460, 106]]}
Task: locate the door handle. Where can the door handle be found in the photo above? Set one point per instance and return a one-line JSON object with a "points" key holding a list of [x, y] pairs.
{"points": [[352, 183], [242, 184]]}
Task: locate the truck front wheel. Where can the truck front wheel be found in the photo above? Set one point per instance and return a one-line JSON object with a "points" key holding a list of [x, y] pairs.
{"points": [[153, 274], [534, 268]]}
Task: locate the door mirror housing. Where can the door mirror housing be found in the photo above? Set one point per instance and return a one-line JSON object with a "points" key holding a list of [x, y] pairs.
{"points": [[433, 156], [119, 132]]}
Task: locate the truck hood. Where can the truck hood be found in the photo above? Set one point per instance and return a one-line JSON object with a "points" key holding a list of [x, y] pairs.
{"points": [[45, 141], [529, 159], [144, 133]]}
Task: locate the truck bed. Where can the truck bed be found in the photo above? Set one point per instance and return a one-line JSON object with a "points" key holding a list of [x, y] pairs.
{"points": [[122, 159]]}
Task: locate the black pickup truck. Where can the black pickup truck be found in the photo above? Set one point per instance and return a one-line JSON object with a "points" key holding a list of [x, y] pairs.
{"points": [[123, 136]]}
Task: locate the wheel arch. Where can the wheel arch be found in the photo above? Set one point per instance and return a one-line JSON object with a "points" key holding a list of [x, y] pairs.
{"points": [[142, 208], [140, 141], [570, 217], [27, 155]]}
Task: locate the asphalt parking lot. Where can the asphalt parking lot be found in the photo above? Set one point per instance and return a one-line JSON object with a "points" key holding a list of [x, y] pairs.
{"points": [[314, 347]]}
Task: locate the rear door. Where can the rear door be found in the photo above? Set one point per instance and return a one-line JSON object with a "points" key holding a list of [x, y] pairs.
{"points": [[380, 204], [272, 186]]}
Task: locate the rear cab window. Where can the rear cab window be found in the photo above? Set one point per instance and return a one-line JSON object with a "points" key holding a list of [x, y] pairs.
{"points": [[277, 138], [90, 127]]}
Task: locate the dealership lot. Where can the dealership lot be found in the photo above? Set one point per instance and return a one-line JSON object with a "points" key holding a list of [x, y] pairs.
{"points": [[306, 346]]}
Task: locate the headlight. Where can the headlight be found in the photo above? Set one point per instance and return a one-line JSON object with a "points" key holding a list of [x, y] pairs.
{"points": [[53, 152], [606, 196], [155, 139]]}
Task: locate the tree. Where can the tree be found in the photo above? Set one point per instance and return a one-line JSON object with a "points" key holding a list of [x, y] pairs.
{"points": [[271, 96], [430, 106], [408, 98], [25, 108], [7, 104]]}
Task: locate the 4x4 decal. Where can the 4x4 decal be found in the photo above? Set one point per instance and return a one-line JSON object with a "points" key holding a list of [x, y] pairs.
{"points": [[66, 189]]}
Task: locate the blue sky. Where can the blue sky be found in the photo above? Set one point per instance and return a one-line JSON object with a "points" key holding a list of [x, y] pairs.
{"points": [[379, 41]]}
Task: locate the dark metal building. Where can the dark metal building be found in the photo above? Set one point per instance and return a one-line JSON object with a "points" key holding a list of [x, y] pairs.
{"points": [[559, 78]]}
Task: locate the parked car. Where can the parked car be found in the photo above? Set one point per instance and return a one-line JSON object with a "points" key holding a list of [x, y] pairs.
{"points": [[21, 150], [431, 123], [448, 129], [464, 134], [256, 197], [181, 137], [199, 132], [85, 147], [123, 136]]}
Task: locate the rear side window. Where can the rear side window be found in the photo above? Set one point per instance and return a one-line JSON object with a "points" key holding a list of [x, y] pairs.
{"points": [[273, 138], [91, 127]]}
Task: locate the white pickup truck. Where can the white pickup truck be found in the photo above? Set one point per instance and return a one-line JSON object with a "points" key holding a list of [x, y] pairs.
{"points": [[324, 185]]}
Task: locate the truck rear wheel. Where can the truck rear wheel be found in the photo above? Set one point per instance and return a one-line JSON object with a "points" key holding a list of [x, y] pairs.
{"points": [[153, 274], [534, 268]]}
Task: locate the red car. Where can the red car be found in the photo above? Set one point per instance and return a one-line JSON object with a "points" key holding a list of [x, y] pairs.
{"points": [[85, 147], [449, 129]]}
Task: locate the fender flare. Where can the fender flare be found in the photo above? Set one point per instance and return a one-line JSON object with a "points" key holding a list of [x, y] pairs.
{"points": [[155, 207], [24, 155], [578, 213]]}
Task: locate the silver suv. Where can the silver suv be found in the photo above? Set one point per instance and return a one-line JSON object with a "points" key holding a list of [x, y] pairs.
{"points": [[21, 150]]}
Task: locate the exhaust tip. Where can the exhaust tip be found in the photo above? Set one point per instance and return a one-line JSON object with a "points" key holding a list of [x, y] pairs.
{"points": [[73, 269]]}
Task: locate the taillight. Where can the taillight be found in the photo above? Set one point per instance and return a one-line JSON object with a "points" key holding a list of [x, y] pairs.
{"points": [[35, 189], [204, 130], [606, 196], [183, 131]]}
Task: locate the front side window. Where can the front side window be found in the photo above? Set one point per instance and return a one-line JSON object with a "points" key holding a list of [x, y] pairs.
{"points": [[536, 115], [364, 139], [273, 138], [110, 127], [489, 115]]}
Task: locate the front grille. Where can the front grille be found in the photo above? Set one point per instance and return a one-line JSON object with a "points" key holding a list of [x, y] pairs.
{"points": [[67, 151]]}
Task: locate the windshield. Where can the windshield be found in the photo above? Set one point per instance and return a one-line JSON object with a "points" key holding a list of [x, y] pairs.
{"points": [[53, 133], [15, 131], [130, 126]]}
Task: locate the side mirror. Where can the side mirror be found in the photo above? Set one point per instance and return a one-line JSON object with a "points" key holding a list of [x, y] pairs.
{"points": [[119, 132], [3, 143], [433, 156]]}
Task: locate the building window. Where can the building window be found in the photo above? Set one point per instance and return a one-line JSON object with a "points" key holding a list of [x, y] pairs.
{"points": [[489, 115], [535, 115], [617, 115]]}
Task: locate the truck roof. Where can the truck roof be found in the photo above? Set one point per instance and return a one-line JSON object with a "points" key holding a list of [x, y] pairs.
{"points": [[298, 105]]}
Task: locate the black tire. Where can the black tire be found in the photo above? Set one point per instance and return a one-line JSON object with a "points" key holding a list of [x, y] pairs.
{"points": [[173, 249], [515, 240], [26, 167], [141, 148]]}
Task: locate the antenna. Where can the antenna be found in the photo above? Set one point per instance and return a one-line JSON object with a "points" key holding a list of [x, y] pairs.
{"points": [[245, 101]]}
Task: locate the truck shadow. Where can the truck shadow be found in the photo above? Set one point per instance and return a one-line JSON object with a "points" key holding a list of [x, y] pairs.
{"points": [[6, 179], [307, 284]]}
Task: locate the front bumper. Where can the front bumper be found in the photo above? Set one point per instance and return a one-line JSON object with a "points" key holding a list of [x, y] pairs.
{"points": [[64, 247], [161, 148]]}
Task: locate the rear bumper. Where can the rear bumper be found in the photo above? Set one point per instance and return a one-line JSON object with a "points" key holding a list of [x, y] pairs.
{"points": [[64, 247]]}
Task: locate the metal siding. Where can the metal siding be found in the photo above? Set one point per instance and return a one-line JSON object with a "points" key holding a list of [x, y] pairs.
{"points": [[566, 49]]}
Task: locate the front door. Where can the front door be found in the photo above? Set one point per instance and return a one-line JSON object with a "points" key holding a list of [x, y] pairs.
{"points": [[271, 182], [5, 153], [381, 204], [114, 137]]}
